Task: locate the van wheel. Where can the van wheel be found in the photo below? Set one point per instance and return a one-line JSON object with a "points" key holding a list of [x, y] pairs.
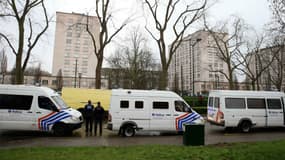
{"points": [[245, 126], [129, 131], [58, 130]]}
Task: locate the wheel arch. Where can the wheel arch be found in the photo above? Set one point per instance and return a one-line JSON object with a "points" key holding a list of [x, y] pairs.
{"points": [[126, 123], [243, 120]]}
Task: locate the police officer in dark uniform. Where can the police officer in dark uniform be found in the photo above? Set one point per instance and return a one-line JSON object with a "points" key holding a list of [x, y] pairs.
{"points": [[99, 113], [88, 109]]}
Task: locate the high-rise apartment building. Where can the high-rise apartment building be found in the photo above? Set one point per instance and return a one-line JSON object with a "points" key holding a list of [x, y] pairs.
{"points": [[73, 49], [266, 69], [192, 65]]}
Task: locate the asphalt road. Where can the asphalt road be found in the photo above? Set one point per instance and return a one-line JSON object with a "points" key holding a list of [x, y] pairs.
{"points": [[213, 135]]}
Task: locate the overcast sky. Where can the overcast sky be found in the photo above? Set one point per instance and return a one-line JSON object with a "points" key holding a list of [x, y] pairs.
{"points": [[254, 12]]}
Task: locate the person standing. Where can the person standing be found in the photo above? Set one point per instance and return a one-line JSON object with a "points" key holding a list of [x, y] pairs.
{"points": [[88, 109], [99, 113]]}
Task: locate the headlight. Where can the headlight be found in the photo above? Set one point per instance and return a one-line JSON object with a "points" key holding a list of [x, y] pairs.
{"points": [[74, 118]]}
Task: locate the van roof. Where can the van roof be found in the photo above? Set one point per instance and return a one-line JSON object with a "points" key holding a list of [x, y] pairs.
{"points": [[143, 93], [30, 88], [246, 93]]}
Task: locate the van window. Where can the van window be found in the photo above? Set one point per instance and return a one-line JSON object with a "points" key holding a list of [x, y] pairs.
{"points": [[21, 102], [139, 104], [124, 104], [160, 105], [210, 103], [180, 106], [235, 103], [46, 103], [274, 103], [255, 103], [217, 103]]}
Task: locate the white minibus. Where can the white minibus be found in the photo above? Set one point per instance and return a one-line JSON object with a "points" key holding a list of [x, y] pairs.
{"points": [[246, 109], [149, 110], [36, 108]]}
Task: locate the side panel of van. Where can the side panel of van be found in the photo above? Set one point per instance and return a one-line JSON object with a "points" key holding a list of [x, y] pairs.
{"points": [[17, 111], [162, 114]]}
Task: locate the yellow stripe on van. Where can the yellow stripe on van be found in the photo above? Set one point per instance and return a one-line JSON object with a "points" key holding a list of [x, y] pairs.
{"points": [[78, 97]]}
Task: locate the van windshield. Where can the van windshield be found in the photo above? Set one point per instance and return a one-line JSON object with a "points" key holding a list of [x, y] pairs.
{"points": [[60, 103]]}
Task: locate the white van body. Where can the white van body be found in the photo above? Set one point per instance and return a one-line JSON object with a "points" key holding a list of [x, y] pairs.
{"points": [[36, 108], [149, 110], [246, 109]]}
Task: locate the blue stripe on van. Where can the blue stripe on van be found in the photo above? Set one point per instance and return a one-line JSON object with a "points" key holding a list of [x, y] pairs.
{"points": [[184, 119], [46, 122]]}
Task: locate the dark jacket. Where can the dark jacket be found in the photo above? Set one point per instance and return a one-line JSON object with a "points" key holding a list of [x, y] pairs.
{"points": [[99, 113], [88, 109]]}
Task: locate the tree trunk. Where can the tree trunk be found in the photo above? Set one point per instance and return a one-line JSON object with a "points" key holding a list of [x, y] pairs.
{"points": [[163, 79], [98, 72], [253, 85], [19, 76]]}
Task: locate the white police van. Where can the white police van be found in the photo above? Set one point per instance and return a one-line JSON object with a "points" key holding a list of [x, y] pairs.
{"points": [[149, 110], [36, 108], [246, 109]]}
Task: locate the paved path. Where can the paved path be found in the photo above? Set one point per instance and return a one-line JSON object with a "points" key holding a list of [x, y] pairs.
{"points": [[213, 135]]}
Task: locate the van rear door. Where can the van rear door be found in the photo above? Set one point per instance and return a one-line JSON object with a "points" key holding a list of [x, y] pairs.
{"points": [[275, 112]]}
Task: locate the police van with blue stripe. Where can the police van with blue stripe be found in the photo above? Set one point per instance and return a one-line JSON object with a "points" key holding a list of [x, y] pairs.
{"points": [[149, 110], [36, 108]]}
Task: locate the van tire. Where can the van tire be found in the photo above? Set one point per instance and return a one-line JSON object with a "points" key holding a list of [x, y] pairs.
{"points": [[245, 126], [129, 131], [59, 130]]}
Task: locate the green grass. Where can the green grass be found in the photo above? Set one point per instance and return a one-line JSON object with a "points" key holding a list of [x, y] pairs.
{"points": [[241, 151]]}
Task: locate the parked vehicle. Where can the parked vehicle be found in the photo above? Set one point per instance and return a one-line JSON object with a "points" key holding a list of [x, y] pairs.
{"points": [[149, 110], [246, 109], [36, 108]]}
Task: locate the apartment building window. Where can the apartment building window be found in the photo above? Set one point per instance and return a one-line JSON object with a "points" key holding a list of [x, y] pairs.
{"points": [[84, 63], [68, 41], [69, 34]]}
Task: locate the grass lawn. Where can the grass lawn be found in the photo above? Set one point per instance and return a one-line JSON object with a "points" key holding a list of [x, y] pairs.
{"points": [[247, 151]]}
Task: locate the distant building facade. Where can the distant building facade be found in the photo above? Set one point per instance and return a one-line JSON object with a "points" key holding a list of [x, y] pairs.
{"points": [[273, 76], [73, 49], [190, 69]]}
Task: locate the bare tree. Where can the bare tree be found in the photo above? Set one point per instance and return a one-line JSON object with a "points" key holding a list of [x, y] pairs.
{"points": [[105, 36], [278, 10], [163, 17], [20, 12], [228, 47], [135, 60], [276, 70], [3, 61], [257, 61]]}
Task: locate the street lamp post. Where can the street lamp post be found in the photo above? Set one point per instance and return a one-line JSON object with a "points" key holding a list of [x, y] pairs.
{"points": [[79, 77], [75, 74], [193, 66]]}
